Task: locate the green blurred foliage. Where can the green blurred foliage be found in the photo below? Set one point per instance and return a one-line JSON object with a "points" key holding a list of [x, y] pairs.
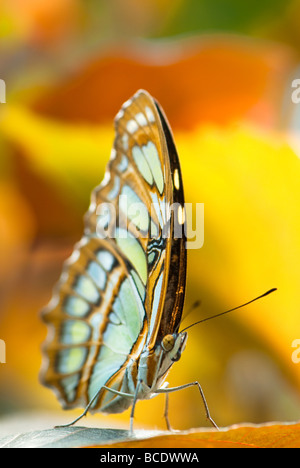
{"points": [[235, 16]]}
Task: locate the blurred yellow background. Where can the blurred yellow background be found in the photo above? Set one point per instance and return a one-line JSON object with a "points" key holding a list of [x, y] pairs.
{"points": [[223, 73]]}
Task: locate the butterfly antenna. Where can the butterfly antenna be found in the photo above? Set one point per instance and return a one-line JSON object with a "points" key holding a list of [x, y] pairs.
{"points": [[191, 308], [230, 310]]}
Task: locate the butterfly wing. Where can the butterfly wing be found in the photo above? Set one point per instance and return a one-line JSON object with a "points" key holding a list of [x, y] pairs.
{"points": [[123, 286]]}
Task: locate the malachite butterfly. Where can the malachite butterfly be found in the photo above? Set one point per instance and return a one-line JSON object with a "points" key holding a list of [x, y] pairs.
{"points": [[115, 313]]}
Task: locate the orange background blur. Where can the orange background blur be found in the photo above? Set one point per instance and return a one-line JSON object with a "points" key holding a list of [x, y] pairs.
{"points": [[223, 73]]}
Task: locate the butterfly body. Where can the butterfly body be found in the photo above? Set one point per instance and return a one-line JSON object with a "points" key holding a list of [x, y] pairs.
{"points": [[150, 369], [114, 316]]}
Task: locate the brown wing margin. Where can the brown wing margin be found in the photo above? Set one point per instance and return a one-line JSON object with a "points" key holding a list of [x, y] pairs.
{"points": [[174, 301]]}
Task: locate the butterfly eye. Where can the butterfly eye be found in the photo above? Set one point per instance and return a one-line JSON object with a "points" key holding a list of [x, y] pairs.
{"points": [[168, 342]]}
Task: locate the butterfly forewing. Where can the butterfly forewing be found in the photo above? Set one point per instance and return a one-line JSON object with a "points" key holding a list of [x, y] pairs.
{"points": [[116, 294]]}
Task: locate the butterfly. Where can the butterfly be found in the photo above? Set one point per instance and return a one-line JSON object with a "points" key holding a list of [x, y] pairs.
{"points": [[115, 313]]}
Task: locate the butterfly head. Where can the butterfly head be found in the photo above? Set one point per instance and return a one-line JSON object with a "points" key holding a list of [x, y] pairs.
{"points": [[174, 344]]}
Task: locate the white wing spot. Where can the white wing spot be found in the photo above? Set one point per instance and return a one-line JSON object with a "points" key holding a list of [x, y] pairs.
{"points": [[120, 114], [181, 215], [141, 119], [106, 179], [132, 126], [74, 257], [176, 179], [149, 114], [124, 140], [127, 103]]}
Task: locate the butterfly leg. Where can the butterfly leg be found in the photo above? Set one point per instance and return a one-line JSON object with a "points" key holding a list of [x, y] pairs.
{"points": [[166, 413], [116, 392], [181, 387], [133, 405]]}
